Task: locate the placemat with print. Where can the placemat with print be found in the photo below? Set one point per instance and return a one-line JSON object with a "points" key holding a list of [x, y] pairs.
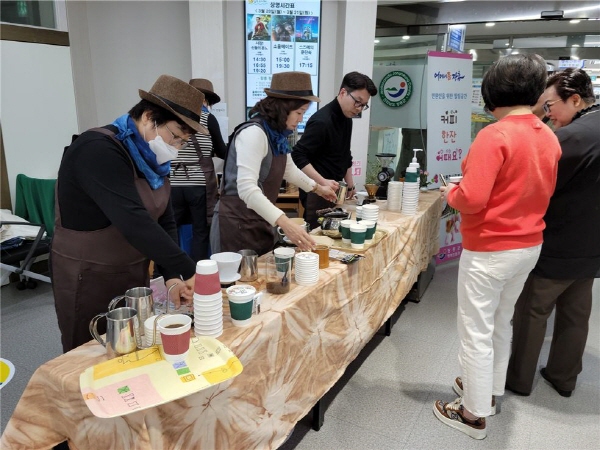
{"points": [[144, 379]]}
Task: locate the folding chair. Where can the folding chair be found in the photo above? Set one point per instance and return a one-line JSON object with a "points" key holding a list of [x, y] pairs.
{"points": [[35, 204]]}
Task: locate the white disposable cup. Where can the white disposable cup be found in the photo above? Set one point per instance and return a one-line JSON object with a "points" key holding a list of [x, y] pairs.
{"points": [[206, 267], [208, 298], [208, 316], [149, 330], [370, 207], [208, 308], [209, 322]]}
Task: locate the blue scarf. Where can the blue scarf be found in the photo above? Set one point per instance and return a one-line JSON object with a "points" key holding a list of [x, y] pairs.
{"points": [[205, 109], [143, 157], [278, 140]]}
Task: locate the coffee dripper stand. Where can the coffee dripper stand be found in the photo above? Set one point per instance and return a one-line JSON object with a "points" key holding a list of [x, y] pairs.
{"points": [[385, 175]]}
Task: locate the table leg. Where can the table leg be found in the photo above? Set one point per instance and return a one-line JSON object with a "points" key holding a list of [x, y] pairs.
{"points": [[318, 415], [388, 326], [420, 286]]}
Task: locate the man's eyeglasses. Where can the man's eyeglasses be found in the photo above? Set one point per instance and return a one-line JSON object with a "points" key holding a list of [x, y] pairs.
{"points": [[546, 106], [358, 104], [176, 141]]}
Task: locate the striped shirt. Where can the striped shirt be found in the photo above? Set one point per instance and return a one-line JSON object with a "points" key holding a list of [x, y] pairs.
{"points": [[191, 173]]}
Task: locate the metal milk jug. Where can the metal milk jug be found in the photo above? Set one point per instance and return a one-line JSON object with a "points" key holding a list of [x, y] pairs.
{"points": [[341, 193]]}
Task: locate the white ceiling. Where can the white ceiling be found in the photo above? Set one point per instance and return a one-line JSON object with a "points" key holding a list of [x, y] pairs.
{"points": [[552, 39]]}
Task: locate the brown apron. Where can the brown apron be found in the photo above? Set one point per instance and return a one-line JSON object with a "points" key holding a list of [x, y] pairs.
{"points": [[89, 268], [242, 228], [210, 179]]}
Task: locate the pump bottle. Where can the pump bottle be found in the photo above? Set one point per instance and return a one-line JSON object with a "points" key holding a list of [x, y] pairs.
{"points": [[412, 171]]}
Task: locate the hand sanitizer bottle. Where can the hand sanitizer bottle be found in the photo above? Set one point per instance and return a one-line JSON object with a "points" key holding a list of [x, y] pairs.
{"points": [[412, 171]]}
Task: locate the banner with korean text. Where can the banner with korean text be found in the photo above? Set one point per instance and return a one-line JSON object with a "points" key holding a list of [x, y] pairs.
{"points": [[449, 91], [281, 37]]}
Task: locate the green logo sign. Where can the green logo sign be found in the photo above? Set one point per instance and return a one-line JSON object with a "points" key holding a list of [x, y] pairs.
{"points": [[395, 89]]}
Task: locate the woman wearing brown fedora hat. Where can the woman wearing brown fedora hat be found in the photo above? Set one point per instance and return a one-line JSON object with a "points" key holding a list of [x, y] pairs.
{"points": [[258, 159], [193, 178], [113, 211]]}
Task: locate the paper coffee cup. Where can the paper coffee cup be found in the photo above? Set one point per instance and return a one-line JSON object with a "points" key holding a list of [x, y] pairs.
{"points": [[241, 303], [370, 224], [175, 331], [358, 233], [345, 229]]}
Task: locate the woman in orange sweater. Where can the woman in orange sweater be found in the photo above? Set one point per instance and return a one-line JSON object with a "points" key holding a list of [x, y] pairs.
{"points": [[509, 175]]}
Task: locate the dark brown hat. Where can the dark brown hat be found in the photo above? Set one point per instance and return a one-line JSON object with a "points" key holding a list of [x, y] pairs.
{"points": [[206, 87], [179, 98], [292, 85]]}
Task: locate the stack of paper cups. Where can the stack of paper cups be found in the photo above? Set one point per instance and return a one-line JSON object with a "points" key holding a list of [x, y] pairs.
{"points": [[394, 195], [359, 213], [208, 300], [306, 268], [410, 198], [151, 334], [370, 212]]}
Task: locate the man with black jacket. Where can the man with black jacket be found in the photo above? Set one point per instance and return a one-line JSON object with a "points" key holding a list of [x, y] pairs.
{"points": [[570, 256], [323, 152]]}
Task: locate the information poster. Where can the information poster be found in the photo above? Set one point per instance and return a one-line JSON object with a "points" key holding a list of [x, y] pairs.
{"points": [[281, 37], [449, 96]]}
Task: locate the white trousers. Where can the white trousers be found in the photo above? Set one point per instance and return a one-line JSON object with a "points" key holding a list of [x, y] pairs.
{"points": [[489, 284]]}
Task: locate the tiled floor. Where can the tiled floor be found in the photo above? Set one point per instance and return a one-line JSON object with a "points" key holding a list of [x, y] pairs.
{"points": [[385, 399]]}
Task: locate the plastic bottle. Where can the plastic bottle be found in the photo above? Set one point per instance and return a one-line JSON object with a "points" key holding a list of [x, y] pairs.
{"points": [[412, 171]]}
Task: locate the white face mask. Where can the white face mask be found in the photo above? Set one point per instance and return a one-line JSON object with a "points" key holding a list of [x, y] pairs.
{"points": [[163, 151]]}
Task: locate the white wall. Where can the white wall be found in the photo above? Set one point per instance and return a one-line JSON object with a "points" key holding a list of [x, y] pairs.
{"points": [[208, 39], [330, 66], [351, 48], [120, 47], [37, 108], [235, 62]]}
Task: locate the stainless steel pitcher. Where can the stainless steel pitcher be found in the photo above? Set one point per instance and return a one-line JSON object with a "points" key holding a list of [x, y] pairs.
{"points": [[341, 193], [122, 331], [140, 299], [249, 266]]}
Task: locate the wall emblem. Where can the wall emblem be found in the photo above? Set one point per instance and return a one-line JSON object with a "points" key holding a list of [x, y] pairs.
{"points": [[395, 89]]}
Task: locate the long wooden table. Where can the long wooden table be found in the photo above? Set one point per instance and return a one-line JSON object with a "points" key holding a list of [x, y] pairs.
{"points": [[293, 353]]}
